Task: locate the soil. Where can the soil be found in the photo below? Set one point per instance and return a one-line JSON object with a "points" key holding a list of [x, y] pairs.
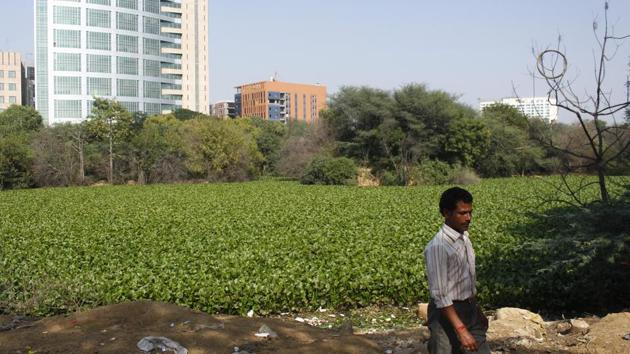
{"points": [[118, 329]]}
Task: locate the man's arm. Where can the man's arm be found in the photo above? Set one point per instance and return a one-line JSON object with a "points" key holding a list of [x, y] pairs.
{"points": [[436, 258], [465, 338]]}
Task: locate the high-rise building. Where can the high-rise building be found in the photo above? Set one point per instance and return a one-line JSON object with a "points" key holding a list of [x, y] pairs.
{"points": [[533, 107], [150, 55], [224, 109], [11, 79], [28, 87], [284, 101]]}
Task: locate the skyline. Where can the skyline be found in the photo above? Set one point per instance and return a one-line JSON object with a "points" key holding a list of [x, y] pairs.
{"points": [[476, 50]]}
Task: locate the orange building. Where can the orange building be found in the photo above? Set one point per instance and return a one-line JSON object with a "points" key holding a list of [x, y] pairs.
{"points": [[275, 100]]}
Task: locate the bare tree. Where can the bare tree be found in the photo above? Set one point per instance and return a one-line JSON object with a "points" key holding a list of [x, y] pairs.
{"points": [[595, 111]]}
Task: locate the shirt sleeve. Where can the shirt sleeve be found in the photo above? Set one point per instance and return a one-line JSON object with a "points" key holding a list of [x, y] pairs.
{"points": [[436, 258]]}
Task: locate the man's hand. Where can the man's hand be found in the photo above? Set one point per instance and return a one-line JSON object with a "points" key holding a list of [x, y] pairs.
{"points": [[468, 341]]}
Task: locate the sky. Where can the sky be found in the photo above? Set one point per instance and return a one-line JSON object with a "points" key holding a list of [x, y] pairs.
{"points": [[478, 50]]}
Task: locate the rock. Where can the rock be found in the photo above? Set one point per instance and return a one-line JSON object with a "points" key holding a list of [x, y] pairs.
{"points": [[563, 327], [266, 332], [149, 344], [579, 326], [516, 323], [627, 336]]}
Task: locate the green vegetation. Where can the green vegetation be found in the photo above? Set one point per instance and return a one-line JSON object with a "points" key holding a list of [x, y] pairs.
{"points": [[268, 246]]}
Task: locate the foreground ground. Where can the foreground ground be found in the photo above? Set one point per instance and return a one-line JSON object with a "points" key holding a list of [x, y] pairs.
{"points": [[119, 328]]}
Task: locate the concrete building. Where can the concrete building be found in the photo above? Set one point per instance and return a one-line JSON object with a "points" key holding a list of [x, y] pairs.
{"points": [[150, 55], [541, 107], [224, 109], [283, 101], [11, 79]]}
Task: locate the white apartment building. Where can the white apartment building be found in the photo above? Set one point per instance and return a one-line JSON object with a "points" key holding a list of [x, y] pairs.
{"points": [[541, 107], [149, 55]]}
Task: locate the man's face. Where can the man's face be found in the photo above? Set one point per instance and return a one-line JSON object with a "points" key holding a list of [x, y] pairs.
{"points": [[459, 218]]}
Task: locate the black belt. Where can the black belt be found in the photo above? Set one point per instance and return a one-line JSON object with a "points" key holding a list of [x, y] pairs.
{"points": [[470, 300]]}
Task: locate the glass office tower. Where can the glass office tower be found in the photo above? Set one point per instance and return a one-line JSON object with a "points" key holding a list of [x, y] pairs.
{"points": [[150, 55]]}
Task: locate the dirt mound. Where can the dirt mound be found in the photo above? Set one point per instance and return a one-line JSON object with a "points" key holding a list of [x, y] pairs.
{"points": [[119, 328]]}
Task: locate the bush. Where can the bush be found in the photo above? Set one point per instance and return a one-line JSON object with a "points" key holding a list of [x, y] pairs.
{"points": [[465, 176], [438, 172], [431, 172], [329, 170]]}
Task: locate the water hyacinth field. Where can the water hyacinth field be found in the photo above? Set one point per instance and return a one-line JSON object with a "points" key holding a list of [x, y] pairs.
{"points": [[268, 246]]}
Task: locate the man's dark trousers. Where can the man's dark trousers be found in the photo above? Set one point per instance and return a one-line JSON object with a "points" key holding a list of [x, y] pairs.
{"points": [[443, 337]]}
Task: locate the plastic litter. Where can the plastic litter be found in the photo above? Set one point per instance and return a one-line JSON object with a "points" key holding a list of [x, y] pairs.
{"points": [[147, 344], [266, 332], [627, 336]]}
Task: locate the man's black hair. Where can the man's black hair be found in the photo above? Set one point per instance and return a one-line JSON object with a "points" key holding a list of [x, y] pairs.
{"points": [[450, 197]]}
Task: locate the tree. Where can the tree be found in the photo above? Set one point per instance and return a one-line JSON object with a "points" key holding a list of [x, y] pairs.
{"points": [[604, 135], [17, 126], [511, 150], [157, 150], [58, 155], [110, 121], [220, 150]]}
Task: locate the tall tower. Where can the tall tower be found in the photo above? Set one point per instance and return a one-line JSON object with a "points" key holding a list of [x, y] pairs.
{"points": [[150, 55]]}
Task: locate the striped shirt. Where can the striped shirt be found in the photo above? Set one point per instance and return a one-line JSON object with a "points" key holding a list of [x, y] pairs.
{"points": [[450, 267]]}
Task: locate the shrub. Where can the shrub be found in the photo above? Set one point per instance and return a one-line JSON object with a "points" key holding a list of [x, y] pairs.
{"points": [[329, 170], [438, 172], [465, 176], [431, 172]]}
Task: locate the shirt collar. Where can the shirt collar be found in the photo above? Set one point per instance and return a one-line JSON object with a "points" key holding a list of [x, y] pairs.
{"points": [[452, 234]]}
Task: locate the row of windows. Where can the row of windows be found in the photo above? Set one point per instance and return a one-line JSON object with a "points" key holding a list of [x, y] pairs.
{"points": [[102, 41], [102, 86], [65, 109], [10, 74], [149, 5], [12, 99], [64, 15], [103, 64], [10, 87]]}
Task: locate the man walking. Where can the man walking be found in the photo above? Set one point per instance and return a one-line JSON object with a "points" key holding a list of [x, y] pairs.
{"points": [[456, 322]]}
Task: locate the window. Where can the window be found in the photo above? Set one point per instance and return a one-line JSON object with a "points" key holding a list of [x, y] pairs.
{"points": [[67, 85], [99, 2], [68, 108], [99, 86], [11, 74], [127, 88], [67, 39], [151, 25], [152, 108], [151, 46], [126, 21], [12, 99], [99, 63], [128, 4], [131, 106], [12, 87], [152, 89], [99, 18], [1, 99], [152, 6], [1, 73], [64, 15], [67, 62], [99, 40], [151, 68], [1, 86], [127, 44], [127, 66]]}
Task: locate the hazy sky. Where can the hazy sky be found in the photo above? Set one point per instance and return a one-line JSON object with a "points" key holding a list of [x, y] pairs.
{"points": [[478, 49]]}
